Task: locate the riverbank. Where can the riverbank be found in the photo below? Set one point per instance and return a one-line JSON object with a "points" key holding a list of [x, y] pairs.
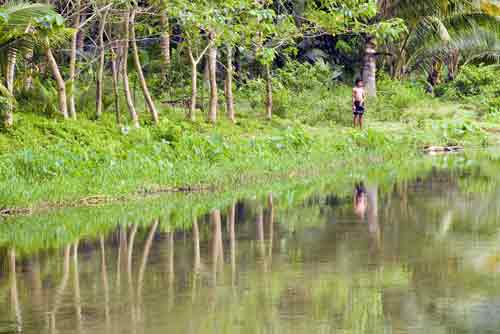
{"points": [[48, 163]]}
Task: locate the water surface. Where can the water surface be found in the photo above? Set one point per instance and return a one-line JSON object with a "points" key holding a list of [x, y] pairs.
{"points": [[417, 256]]}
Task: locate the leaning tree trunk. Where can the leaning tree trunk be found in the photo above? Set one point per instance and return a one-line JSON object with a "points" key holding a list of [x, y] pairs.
{"points": [[138, 67], [212, 70], [370, 68], [61, 84], [269, 92], [126, 82], [165, 42], [72, 61], [229, 85], [8, 120], [100, 71]]}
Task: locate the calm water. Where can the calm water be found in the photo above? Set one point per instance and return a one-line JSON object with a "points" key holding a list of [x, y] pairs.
{"points": [[420, 256]]}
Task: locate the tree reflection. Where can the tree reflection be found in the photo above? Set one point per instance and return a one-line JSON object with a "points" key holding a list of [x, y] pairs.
{"points": [[60, 289], [76, 287], [105, 282], [14, 293]]}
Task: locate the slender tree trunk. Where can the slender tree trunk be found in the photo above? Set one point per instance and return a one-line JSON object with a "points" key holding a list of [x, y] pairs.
{"points": [[115, 74], [229, 85], [61, 84], [370, 68], [165, 42], [194, 86], [142, 80], [126, 82], [269, 92], [72, 61], [212, 68], [100, 71], [8, 120]]}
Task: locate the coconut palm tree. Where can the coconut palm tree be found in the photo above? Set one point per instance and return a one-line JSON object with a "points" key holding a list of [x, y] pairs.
{"points": [[19, 28], [439, 33]]}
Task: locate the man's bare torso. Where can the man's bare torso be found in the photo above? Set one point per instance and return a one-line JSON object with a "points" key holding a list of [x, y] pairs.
{"points": [[359, 94]]}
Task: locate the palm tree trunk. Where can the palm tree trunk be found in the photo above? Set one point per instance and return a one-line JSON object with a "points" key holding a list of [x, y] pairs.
{"points": [[28, 81], [229, 85], [165, 42], [126, 82], [142, 80], [100, 71], [212, 69], [61, 84], [370, 67], [72, 61], [8, 120]]}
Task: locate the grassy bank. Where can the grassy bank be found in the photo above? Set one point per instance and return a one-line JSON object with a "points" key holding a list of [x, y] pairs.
{"points": [[175, 212], [50, 162]]}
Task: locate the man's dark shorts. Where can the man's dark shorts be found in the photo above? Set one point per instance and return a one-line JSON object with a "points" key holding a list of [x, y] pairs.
{"points": [[359, 109]]}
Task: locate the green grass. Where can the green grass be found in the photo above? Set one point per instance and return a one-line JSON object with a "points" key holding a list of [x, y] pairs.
{"points": [[46, 161]]}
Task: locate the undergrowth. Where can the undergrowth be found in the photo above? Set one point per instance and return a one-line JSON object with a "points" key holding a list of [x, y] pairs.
{"points": [[46, 160]]}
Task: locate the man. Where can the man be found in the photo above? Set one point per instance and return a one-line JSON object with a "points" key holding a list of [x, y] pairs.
{"points": [[358, 102]]}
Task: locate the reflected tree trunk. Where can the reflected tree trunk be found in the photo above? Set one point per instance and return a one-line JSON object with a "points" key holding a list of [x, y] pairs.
{"points": [[259, 223], [171, 269], [373, 224], [60, 289], [130, 278], [122, 252], [76, 287], [105, 283], [231, 222], [36, 281], [197, 258], [270, 203], [14, 293], [196, 244], [215, 218], [144, 263]]}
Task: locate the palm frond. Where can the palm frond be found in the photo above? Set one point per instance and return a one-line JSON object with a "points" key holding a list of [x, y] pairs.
{"points": [[473, 44]]}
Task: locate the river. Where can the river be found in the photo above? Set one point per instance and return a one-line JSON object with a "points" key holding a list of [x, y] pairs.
{"points": [[416, 254]]}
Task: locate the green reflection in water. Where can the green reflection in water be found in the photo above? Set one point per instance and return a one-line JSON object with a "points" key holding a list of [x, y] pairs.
{"points": [[414, 249]]}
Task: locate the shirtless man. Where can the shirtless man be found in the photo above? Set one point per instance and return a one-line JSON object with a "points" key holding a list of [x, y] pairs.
{"points": [[358, 102]]}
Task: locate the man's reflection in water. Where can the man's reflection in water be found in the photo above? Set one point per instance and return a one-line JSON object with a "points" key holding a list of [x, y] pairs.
{"points": [[360, 201], [366, 206]]}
